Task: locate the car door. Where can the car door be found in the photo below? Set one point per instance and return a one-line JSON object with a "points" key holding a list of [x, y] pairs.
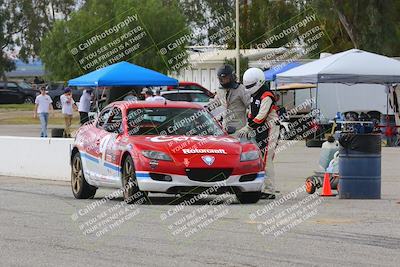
{"points": [[108, 135], [110, 148], [12, 93], [76, 94], [91, 156], [3, 92]]}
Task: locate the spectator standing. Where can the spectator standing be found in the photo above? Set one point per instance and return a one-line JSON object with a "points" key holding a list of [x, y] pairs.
{"points": [[68, 104], [130, 96], [158, 96], [42, 107], [84, 105], [36, 80], [148, 95]]}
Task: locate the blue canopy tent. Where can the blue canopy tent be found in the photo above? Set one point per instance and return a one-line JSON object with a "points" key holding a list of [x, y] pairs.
{"points": [[123, 74], [270, 75]]}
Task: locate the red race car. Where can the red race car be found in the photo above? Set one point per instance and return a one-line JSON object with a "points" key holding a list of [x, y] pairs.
{"points": [[190, 86], [168, 147]]}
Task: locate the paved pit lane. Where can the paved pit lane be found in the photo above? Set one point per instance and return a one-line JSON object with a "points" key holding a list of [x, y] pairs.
{"points": [[43, 225]]}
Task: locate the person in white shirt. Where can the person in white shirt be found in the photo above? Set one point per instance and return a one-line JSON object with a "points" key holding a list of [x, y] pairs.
{"points": [[130, 96], [148, 95], [158, 96], [84, 105], [42, 107], [68, 104]]}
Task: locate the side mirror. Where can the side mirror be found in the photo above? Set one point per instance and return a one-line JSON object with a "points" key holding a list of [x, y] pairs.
{"points": [[231, 130], [112, 128]]}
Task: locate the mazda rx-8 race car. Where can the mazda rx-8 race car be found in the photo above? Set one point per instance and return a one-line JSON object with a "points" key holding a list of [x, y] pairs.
{"points": [[165, 147]]}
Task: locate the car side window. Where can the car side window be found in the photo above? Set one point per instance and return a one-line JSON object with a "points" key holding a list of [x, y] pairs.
{"points": [[12, 86], [177, 97], [114, 122], [103, 117], [198, 97]]}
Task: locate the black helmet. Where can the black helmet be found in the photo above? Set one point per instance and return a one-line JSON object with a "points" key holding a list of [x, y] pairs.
{"points": [[227, 71]]}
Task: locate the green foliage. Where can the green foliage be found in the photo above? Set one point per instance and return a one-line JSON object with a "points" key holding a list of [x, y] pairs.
{"points": [[23, 24], [372, 25], [162, 22]]}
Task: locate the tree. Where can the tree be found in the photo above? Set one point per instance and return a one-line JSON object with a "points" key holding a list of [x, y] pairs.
{"points": [[160, 24], [23, 24], [371, 25]]}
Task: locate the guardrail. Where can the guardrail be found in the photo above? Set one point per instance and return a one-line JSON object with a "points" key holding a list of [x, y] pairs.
{"points": [[43, 158]]}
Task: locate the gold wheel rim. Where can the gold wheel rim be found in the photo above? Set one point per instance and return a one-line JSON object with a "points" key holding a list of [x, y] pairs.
{"points": [[127, 174], [77, 174]]}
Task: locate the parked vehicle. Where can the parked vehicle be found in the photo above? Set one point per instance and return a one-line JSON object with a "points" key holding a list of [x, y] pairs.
{"points": [[191, 86], [17, 93], [56, 89], [194, 96]]}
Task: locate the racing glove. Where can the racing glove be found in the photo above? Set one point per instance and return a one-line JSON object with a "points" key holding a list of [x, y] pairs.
{"points": [[244, 132]]}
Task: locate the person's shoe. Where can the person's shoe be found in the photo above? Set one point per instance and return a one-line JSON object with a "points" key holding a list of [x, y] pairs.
{"points": [[267, 196]]}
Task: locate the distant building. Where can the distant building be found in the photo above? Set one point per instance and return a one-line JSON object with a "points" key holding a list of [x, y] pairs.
{"points": [[204, 64], [26, 70]]}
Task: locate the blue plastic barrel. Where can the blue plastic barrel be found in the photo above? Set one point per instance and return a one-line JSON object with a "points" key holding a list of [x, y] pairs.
{"points": [[360, 166]]}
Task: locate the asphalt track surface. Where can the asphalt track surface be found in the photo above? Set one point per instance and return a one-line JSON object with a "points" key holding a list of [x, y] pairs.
{"points": [[41, 224]]}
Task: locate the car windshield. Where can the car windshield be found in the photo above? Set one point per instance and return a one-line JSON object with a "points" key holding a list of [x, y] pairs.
{"points": [[24, 85], [171, 121]]}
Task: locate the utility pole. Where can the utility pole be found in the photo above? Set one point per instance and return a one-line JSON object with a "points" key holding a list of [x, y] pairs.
{"points": [[237, 41]]}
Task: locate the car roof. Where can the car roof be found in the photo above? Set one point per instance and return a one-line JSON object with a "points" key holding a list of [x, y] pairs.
{"points": [[182, 91], [155, 104], [189, 83]]}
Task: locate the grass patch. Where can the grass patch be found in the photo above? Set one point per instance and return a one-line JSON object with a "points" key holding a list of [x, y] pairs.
{"points": [[17, 107], [31, 120]]}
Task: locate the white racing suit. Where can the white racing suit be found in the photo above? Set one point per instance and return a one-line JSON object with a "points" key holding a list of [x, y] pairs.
{"points": [[263, 119]]}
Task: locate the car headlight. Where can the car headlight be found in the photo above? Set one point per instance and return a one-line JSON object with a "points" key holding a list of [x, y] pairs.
{"points": [[250, 155], [156, 155]]}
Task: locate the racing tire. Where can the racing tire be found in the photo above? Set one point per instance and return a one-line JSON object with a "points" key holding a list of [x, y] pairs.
{"points": [[248, 197], [29, 100], [311, 185], [57, 132], [130, 187], [314, 143], [80, 188]]}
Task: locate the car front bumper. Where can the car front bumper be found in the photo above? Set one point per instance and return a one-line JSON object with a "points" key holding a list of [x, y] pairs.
{"points": [[180, 182]]}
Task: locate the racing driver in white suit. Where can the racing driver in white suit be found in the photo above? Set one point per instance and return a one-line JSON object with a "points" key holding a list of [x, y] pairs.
{"points": [[262, 124]]}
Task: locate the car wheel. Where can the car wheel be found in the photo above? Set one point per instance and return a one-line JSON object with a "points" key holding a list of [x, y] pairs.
{"points": [[131, 191], [29, 100], [80, 188], [57, 104], [248, 197]]}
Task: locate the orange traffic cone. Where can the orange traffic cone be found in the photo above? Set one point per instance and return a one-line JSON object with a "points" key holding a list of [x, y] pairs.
{"points": [[326, 187]]}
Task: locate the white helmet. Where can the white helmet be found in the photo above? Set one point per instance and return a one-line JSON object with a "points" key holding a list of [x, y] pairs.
{"points": [[253, 79]]}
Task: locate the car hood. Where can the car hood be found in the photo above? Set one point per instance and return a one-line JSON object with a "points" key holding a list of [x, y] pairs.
{"points": [[185, 145]]}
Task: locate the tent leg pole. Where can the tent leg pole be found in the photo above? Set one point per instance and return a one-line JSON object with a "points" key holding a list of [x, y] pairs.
{"points": [[97, 100]]}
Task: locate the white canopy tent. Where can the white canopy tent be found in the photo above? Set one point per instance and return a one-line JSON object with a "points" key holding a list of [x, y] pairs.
{"points": [[349, 67]]}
